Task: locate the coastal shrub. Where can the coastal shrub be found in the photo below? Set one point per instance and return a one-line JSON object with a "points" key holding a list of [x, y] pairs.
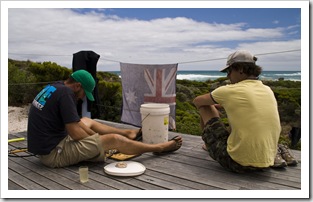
{"points": [[25, 77], [221, 80], [107, 76], [189, 83], [187, 121], [192, 88], [289, 104], [288, 95], [48, 71], [19, 92], [184, 93], [110, 96], [283, 83]]}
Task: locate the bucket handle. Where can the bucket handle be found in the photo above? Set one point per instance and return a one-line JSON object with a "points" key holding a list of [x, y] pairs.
{"points": [[144, 118]]}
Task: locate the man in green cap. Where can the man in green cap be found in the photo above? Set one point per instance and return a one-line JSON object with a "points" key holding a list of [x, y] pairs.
{"points": [[61, 138], [87, 81]]}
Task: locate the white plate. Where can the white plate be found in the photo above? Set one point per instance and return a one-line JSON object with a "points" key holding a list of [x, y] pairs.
{"points": [[132, 169]]}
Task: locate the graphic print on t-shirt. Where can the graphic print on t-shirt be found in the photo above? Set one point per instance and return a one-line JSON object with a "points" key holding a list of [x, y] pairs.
{"points": [[41, 99]]}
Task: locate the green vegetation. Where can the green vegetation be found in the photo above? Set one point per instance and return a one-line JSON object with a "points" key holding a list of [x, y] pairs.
{"points": [[110, 94], [26, 79]]}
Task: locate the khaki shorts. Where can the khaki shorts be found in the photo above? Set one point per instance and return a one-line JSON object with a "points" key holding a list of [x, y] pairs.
{"points": [[215, 136], [70, 152]]}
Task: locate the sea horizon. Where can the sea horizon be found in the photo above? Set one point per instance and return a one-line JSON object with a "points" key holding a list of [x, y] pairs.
{"points": [[204, 75]]}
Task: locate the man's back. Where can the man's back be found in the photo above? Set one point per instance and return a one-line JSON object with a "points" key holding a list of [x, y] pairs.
{"points": [[255, 125], [53, 107]]}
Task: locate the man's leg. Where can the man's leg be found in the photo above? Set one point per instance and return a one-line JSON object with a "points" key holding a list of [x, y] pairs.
{"points": [[207, 113], [121, 139], [127, 146], [103, 129]]}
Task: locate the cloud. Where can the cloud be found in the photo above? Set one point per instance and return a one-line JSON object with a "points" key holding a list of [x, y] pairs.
{"points": [[55, 34]]}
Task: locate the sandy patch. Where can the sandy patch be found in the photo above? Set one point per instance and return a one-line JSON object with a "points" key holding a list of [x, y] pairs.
{"points": [[17, 119]]}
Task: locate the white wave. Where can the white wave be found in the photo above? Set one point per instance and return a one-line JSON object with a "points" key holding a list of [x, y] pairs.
{"points": [[286, 74], [196, 77], [293, 74]]}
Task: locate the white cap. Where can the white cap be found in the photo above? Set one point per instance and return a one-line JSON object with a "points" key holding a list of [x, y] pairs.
{"points": [[239, 56]]}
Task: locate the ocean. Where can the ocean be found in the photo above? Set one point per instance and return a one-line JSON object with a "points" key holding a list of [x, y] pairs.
{"points": [[213, 75]]}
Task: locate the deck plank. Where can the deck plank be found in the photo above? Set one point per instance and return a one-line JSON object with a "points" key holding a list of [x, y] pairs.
{"points": [[189, 168], [13, 186]]}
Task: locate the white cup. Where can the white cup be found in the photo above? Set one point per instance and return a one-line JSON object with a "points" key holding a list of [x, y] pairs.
{"points": [[83, 174]]}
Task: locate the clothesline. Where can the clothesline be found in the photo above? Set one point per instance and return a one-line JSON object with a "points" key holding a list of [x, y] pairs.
{"points": [[194, 61]]}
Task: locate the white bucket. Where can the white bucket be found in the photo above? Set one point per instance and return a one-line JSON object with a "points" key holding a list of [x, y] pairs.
{"points": [[155, 120]]}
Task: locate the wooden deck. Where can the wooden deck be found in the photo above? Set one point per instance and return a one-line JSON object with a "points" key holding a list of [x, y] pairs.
{"points": [[189, 168]]}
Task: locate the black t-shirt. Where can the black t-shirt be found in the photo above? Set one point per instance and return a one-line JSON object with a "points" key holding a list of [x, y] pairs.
{"points": [[51, 109]]}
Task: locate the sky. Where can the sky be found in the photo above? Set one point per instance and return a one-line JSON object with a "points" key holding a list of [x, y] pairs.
{"points": [[195, 38]]}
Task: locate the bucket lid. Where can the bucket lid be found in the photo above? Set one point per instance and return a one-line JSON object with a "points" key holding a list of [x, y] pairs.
{"points": [[125, 168]]}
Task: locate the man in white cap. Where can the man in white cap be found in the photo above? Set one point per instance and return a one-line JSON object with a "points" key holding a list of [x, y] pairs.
{"points": [[251, 108]]}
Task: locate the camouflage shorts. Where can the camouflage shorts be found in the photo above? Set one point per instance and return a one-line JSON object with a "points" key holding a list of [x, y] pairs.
{"points": [[215, 136]]}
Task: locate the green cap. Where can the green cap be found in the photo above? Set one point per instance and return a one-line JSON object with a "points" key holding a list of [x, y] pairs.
{"points": [[87, 81]]}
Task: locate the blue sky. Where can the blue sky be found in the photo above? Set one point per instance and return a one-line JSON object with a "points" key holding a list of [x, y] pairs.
{"points": [[260, 17], [192, 37]]}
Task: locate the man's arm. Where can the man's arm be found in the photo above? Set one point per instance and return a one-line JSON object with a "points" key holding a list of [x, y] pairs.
{"points": [[78, 130], [88, 130], [203, 100]]}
